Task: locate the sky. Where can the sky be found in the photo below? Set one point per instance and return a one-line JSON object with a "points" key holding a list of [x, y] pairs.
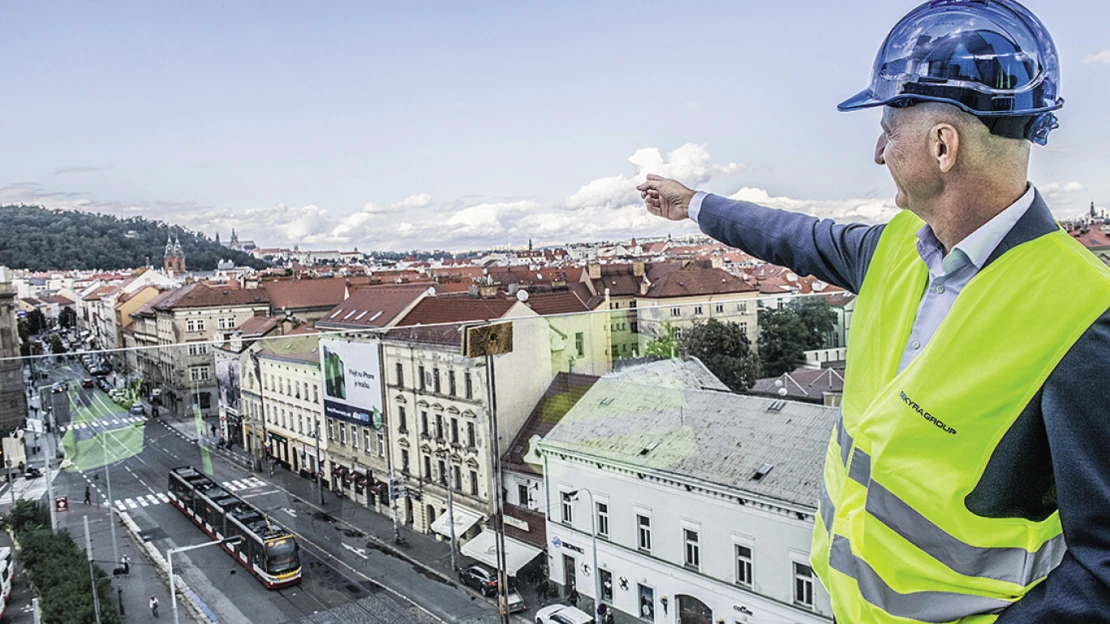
{"points": [[448, 125]]}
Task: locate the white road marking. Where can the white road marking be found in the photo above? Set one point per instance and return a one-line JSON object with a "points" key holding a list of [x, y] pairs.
{"points": [[132, 505], [358, 551]]}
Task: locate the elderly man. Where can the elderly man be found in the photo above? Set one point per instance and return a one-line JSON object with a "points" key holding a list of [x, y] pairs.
{"points": [[968, 477]]}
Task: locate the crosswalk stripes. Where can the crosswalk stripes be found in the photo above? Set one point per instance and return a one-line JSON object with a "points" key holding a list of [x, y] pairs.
{"points": [[244, 484], [126, 420], [146, 500]]}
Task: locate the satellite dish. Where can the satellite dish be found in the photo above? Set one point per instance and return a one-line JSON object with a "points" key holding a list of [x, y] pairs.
{"points": [[522, 295]]}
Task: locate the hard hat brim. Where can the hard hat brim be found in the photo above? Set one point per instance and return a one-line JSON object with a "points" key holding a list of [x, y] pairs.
{"points": [[863, 99]]}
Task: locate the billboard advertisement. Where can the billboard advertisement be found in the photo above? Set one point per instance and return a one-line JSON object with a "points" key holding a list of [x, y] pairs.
{"points": [[228, 380], [352, 382]]}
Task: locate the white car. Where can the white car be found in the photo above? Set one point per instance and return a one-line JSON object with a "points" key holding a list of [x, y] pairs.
{"points": [[562, 614]]}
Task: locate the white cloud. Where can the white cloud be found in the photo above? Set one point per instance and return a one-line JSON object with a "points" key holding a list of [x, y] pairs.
{"points": [[1102, 57], [859, 210], [1060, 188]]}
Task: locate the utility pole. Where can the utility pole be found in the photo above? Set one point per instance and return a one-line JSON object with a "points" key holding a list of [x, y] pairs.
{"points": [[450, 484], [111, 502], [92, 576], [393, 500], [319, 467]]}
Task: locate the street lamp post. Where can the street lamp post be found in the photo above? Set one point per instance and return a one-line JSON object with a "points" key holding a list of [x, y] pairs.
{"points": [[593, 530], [169, 557]]}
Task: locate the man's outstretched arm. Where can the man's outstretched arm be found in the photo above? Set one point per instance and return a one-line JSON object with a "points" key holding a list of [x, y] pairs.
{"points": [[834, 253]]}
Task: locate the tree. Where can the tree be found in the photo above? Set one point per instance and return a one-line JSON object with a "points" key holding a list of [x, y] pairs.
{"points": [[67, 318], [36, 321], [56, 345], [665, 344], [725, 350], [785, 335]]}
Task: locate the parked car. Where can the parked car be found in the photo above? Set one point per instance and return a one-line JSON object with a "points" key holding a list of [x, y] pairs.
{"points": [[87, 383], [136, 409], [516, 602], [480, 578], [60, 388], [562, 614]]}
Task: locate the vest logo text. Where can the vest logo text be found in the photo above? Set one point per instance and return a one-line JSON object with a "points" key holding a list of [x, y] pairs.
{"points": [[926, 415]]}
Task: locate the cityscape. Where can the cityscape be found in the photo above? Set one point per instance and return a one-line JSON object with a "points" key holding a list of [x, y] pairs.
{"points": [[541, 314]]}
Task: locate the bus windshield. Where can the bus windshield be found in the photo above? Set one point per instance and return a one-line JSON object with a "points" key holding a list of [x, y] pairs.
{"points": [[281, 555]]}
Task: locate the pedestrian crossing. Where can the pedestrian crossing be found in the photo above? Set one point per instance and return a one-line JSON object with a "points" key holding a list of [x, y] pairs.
{"points": [[103, 422], [135, 502]]}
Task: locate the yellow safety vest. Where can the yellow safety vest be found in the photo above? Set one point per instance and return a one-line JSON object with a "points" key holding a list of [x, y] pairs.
{"points": [[894, 540]]}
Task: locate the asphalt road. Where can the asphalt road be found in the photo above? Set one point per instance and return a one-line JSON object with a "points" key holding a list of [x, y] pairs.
{"points": [[345, 577]]}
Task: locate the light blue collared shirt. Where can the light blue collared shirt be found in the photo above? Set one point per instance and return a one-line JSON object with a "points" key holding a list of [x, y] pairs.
{"points": [[948, 274]]}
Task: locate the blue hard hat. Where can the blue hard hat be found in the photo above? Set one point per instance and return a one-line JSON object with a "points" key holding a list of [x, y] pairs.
{"points": [[992, 58]]}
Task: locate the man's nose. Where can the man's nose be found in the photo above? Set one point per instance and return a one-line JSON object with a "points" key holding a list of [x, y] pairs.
{"points": [[880, 147]]}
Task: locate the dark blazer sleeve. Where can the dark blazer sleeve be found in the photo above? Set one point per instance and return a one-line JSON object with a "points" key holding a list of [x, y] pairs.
{"points": [[834, 253], [1076, 402]]}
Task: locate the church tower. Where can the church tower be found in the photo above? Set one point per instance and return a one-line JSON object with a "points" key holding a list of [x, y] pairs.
{"points": [[174, 259]]}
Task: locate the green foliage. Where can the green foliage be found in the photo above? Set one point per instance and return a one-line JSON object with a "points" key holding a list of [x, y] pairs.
{"points": [[56, 345], [36, 321], [785, 335], [58, 569], [49, 240], [67, 317], [725, 350], [665, 344]]}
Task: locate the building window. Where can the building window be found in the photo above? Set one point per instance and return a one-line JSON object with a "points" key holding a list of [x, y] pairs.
{"points": [[435, 381], [676, 311], [423, 423], [606, 585], [580, 344], [342, 434], [331, 430], [315, 393], [400, 374], [381, 445], [522, 495], [720, 308], [420, 374], [643, 533], [744, 326], [458, 478], [470, 441], [615, 305], [693, 550], [743, 565], [803, 585], [222, 324], [354, 438], [697, 310], [442, 472], [635, 326], [454, 430], [473, 483], [568, 509], [205, 401], [366, 441], [742, 307], [451, 387], [198, 348], [198, 373], [404, 461], [427, 467], [402, 423], [439, 426], [647, 603], [632, 304], [603, 519]]}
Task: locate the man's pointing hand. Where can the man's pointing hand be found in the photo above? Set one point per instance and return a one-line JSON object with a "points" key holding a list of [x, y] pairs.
{"points": [[666, 198]]}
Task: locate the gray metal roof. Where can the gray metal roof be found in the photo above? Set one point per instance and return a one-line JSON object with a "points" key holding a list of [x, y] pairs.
{"points": [[717, 437], [674, 373]]}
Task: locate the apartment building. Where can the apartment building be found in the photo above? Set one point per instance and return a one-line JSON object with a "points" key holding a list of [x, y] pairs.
{"points": [[695, 293], [287, 369], [702, 503]]}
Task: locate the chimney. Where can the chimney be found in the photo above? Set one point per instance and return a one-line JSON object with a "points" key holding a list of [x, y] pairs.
{"points": [[638, 268], [595, 271], [487, 290], [473, 290], [718, 261]]}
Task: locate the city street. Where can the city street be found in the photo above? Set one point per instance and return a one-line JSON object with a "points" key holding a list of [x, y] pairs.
{"points": [[348, 574]]}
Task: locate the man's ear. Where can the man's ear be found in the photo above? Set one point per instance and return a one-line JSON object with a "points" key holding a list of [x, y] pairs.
{"points": [[944, 143]]}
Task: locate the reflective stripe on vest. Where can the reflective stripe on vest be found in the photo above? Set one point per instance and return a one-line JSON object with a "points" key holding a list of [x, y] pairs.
{"points": [[894, 539]]}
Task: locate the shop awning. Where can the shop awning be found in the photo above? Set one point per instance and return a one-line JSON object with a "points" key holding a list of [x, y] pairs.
{"points": [[464, 519], [484, 549]]}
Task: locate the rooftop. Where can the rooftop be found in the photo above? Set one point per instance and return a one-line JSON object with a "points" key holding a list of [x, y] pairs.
{"points": [[374, 306], [714, 437], [305, 293], [563, 393], [200, 296]]}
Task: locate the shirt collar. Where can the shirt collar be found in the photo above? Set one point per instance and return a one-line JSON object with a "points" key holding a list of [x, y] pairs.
{"points": [[978, 246]]}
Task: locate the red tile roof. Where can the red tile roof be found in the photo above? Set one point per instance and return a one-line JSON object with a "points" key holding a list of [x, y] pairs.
{"points": [[257, 326], [457, 309], [562, 394], [697, 280], [200, 296], [305, 293], [374, 306], [559, 302]]}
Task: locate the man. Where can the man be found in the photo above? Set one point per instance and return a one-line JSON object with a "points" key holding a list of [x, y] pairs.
{"points": [[154, 605], [88, 495], [967, 478]]}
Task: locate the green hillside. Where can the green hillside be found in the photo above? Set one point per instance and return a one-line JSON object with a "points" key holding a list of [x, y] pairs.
{"points": [[38, 239]]}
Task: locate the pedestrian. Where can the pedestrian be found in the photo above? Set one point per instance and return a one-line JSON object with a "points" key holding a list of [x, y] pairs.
{"points": [[969, 447], [572, 596], [88, 495], [154, 606]]}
